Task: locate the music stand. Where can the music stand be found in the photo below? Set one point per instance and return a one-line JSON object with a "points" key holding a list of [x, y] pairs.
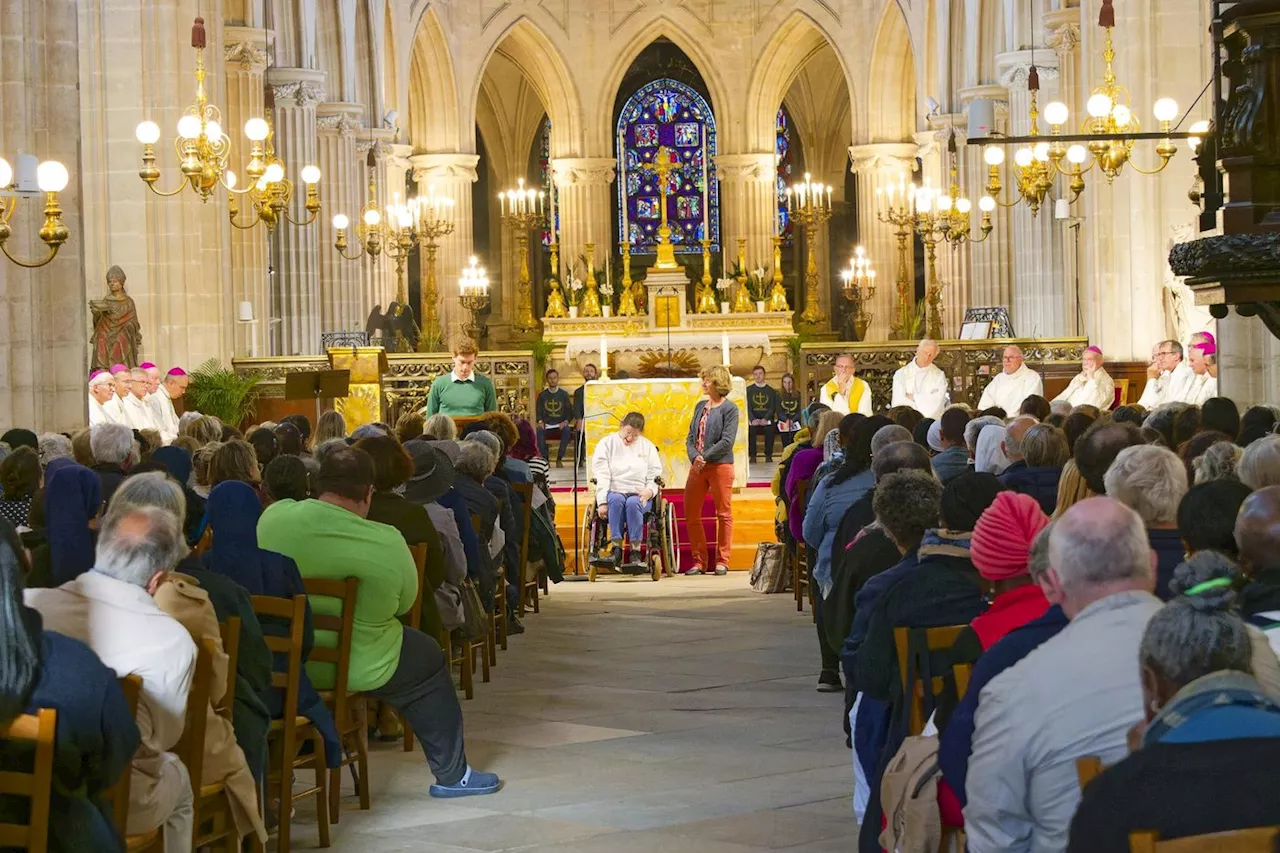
{"points": [[313, 385]]}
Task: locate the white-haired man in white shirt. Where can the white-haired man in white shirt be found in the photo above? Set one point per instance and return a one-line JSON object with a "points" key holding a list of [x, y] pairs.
{"points": [[104, 405], [920, 384], [1016, 383]]}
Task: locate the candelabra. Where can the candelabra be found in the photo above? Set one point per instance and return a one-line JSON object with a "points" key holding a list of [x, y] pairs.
{"points": [[859, 288], [390, 233], [473, 293], [521, 210], [627, 300], [590, 305], [897, 211], [742, 301], [809, 204], [555, 298], [432, 219], [778, 295], [51, 178], [269, 191]]}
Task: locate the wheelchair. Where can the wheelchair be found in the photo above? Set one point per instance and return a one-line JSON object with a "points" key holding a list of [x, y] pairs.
{"points": [[657, 553]]}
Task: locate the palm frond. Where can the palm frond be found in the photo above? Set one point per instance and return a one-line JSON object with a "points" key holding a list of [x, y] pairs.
{"points": [[221, 392]]}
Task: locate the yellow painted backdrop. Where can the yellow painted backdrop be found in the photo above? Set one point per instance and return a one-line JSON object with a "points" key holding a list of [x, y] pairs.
{"points": [[667, 405]]}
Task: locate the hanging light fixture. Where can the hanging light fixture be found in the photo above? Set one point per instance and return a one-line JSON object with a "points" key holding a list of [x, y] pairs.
{"points": [[269, 192], [51, 178]]}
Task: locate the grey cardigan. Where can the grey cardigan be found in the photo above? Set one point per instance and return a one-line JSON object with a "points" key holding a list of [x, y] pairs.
{"points": [[722, 431]]}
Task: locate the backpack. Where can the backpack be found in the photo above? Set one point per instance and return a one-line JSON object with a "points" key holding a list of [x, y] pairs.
{"points": [[768, 572], [909, 797]]}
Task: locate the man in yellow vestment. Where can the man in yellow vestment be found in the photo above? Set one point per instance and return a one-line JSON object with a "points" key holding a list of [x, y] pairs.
{"points": [[846, 393]]}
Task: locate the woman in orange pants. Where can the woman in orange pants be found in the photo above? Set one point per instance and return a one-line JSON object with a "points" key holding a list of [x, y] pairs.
{"points": [[710, 445]]}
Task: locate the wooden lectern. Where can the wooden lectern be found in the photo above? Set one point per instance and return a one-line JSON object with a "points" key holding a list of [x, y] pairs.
{"points": [[367, 365]]}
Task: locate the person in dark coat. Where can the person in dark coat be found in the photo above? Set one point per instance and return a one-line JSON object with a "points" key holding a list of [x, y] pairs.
{"points": [[72, 505], [1044, 451], [1210, 739], [95, 734], [1151, 481], [1257, 534], [176, 462]]}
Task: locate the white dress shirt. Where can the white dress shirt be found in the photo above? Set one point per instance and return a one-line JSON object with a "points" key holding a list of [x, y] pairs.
{"points": [[838, 401], [137, 414], [1008, 390], [627, 469], [1098, 390], [1203, 387], [922, 388], [132, 635], [165, 416]]}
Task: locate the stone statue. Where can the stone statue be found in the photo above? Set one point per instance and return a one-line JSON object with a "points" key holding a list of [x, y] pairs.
{"points": [[117, 336]]}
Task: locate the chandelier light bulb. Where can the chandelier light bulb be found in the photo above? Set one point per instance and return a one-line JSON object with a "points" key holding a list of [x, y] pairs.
{"points": [[994, 155], [1056, 113], [262, 184], [1122, 115], [986, 204], [6, 173], [256, 129], [1201, 126], [274, 173], [189, 127], [372, 218], [1041, 151], [1077, 154], [1166, 109], [340, 222], [1023, 157], [944, 203], [964, 206], [213, 130], [148, 133], [52, 177], [310, 174], [230, 179], [1098, 106]]}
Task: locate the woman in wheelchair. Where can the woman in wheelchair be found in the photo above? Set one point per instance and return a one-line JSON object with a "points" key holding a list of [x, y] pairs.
{"points": [[626, 469]]}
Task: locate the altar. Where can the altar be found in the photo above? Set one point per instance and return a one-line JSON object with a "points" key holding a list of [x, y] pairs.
{"points": [[667, 406]]}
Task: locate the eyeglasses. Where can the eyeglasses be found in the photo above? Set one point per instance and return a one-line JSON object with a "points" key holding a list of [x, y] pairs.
{"points": [[1165, 352]]}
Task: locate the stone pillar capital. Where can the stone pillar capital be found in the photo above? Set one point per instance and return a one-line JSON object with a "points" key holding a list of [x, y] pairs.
{"points": [[397, 156], [758, 166], [375, 139], [987, 91], [338, 117], [246, 47], [883, 158], [296, 87], [1062, 30], [574, 171], [444, 167], [1011, 67]]}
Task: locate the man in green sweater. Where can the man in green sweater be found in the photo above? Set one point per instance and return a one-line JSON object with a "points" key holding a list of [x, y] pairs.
{"points": [[331, 538], [463, 392]]}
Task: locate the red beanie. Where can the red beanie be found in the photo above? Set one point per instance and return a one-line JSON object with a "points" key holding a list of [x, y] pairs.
{"points": [[1002, 537]]}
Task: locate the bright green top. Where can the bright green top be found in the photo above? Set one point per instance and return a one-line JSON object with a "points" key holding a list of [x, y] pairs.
{"points": [[329, 542], [461, 399]]}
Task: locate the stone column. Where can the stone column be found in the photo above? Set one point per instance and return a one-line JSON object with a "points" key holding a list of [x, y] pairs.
{"points": [[372, 150], [991, 262], [953, 258], [245, 55], [450, 175], [296, 285], [1062, 36], [749, 206], [585, 201], [877, 166], [342, 189]]}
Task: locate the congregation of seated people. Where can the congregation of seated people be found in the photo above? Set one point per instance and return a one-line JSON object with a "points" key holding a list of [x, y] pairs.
{"points": [[1072, 583], [121, 555]]}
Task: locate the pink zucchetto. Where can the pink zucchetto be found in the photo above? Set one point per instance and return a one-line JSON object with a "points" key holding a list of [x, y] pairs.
{"points": [[177, 371], [1207, 348], [1209, 339], [1093, 349], [146, 365], [118, 368]]}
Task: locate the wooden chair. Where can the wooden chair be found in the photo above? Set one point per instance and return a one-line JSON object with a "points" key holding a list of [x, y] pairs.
{"points": [[1258, 839], [498, 618], [800, 565], [1088, 769], [349, 709], [914, 669], [35, 785], [118, 796], [214, 823], [962, 672], [528, 587], [413, 619], [1122, 394], [289, 733], [469, 648]]}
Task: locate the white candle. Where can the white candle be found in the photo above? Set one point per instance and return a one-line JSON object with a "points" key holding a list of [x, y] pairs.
{"points": [[706, 211], [604, 355], [724, 348], [553, 209], [622, 164], [246, 312]]}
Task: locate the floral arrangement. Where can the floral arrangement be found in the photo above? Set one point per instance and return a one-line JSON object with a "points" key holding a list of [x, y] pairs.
{"points": [[724, 285], [574, 289], [758, 286], [606, 290]]}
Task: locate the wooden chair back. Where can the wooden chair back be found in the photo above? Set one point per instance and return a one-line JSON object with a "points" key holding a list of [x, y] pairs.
{"points": [[962, 672], [35, 785], [800, 565], [1088, 769], [230, 632], [118, 796], [414, 617], [1258, 839], [343, 625], [190, 747], [1122, 394], [919, 685], [292, 612], [525, 491]]}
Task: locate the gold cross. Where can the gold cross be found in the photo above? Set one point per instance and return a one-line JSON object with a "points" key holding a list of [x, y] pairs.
{"points": [[662, 168]]}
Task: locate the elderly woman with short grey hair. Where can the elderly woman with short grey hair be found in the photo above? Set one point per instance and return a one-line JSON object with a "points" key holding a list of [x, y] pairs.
{"points": [[1044, 450], [1219, 462], [54, 445], [114, 452], [1151, 481], [1210, 731], [1260, 463], [441, 428]]}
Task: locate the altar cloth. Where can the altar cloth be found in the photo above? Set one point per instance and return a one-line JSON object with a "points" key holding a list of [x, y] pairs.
{"points": [[680, 339]]}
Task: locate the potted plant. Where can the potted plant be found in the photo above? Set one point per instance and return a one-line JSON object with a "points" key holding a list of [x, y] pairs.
{"points": [[795, 345], [724, 286], [573, 291], [606, 298], [759, 287], [541, 349], [221, 392]]}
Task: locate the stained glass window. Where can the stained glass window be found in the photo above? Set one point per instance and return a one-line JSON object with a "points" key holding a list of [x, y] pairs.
{"points": [[668, 113], [544, 172], [785, 164]]}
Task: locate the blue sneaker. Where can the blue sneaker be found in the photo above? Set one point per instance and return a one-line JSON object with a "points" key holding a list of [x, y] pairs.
{"points": [[474, 783]]}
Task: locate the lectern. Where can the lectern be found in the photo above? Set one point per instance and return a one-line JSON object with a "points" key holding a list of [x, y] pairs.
{"points": [[367, 366]]}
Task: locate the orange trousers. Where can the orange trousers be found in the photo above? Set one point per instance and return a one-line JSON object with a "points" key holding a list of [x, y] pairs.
{"points": [[718, 479]]}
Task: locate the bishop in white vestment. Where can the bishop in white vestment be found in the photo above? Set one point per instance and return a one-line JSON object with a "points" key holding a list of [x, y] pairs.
{"points": [[1092, 386], [1008, 389], [920, 384]]}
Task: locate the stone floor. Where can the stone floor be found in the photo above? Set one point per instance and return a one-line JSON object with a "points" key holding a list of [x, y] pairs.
{"points": [[634, 716]]}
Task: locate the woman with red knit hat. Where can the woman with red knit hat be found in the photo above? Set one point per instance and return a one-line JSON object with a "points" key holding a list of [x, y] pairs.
{"points": [[1000, 550]]}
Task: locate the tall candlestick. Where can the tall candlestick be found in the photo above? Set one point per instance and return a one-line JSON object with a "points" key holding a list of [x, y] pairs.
{"points": [[553, 207], [622, 184], [604, 355]]}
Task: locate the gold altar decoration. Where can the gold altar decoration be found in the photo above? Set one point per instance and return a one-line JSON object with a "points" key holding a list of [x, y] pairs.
{"points": [[662, 167], [590, 305], [778, 295], [627, 303], [51, 178], [473, 293], [522, 209], [810, 205], [742, 301], [367, 366], [704, 294], [556, 307]]}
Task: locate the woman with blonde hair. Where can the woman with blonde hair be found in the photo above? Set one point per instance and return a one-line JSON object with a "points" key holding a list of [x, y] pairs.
{"points": [[204, 429], [712, 432], [330, 425]]}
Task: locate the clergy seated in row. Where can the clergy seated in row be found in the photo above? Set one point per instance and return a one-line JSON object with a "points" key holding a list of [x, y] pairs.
{"points": [[1017, 382], [845, 393], [462, 392], [104, 405], [1092, 386], [1173, 378], [921, 384]]}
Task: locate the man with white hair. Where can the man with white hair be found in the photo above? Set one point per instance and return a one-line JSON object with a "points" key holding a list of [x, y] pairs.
{"points": [[1092, 386], [173, 387], [137, 414], [112, 446], [1076, 695], [1008, 389], [844, 392], [1012, 444], [104, 406], [920, 384], [1152, 481], [111, 609]]}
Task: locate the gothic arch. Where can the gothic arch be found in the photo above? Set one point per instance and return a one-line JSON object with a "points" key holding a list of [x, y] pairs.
{"points": [[636, 40], [891, 93], [796, 41], [433, 101]]}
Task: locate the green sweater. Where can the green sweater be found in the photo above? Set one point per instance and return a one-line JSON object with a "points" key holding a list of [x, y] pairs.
{"points": [[332, 543], [461, 399]]}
